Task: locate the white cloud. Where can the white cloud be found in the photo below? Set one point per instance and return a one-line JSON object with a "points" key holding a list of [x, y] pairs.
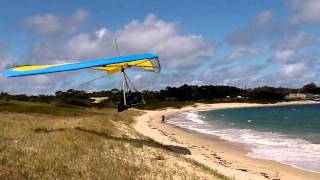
{"points": [[47, 53], [239, 72], [51, 24], [281, 79], [95, 45], [138, 76], [263, 18], [282, 56], [301, 39], [290, 75], [231, 75], [150, 36], [244, 52], [243, 36], [293, 70], [7, 59], [290, 56], [40, 84], [161, 37], [163, 80], [177, 53], [306, 11], [249, 34]]}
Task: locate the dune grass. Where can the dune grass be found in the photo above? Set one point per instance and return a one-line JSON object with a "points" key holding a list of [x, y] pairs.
{"points": [[49, 141]]}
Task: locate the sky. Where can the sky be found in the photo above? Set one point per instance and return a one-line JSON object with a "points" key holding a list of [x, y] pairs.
{"points": [[248, 43]]}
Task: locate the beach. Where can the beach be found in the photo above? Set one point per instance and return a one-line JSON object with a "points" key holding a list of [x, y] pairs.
{"points": [[227, 158]]}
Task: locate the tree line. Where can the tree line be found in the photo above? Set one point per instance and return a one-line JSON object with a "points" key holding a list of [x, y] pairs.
{"points": [[170, 95]]}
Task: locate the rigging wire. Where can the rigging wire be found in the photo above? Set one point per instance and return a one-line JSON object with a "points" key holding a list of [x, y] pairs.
{"points": [[100, 77], [115, 41], [127, 78]]}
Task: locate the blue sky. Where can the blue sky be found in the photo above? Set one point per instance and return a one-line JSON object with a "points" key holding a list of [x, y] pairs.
{"points": [[245, 43]]}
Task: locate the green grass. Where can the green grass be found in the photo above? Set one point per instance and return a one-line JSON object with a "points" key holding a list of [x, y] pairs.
{"points": [[50, 141], [42, 108]]}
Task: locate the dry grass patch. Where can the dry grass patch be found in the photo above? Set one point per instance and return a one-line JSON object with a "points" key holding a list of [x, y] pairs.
{"points": [[83, 144]]}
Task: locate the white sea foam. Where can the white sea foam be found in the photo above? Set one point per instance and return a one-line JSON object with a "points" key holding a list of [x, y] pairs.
{"points": [[299, 153], [194, 117]]}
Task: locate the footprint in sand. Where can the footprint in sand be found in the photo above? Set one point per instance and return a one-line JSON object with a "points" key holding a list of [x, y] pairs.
{"points": [[244, 170], [265, 175]]}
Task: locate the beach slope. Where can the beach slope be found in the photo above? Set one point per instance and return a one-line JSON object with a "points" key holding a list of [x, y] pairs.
{"points": [[226, 158], [50, 141]]}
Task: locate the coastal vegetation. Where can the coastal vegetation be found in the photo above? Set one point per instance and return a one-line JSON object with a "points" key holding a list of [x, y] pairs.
{"points": [[170, 96], [57, 141], [65, 135]]}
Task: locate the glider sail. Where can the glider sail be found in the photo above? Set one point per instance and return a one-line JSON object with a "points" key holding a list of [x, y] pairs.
{"points": [[148, 62], [145, 64]]}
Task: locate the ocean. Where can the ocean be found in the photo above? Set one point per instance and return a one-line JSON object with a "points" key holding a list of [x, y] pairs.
{"points": [[287, 134]]}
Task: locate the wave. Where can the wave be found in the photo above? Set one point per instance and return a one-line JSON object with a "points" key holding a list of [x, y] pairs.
{"points": [[296, 152]]}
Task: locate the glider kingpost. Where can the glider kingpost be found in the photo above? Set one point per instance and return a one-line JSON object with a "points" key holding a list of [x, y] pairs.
{"points": [[147, 62]]}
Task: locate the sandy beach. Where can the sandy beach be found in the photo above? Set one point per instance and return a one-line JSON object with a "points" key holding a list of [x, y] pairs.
{"points": [[226, 158]]}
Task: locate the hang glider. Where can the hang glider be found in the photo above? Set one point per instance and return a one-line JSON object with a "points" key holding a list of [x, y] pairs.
{"points": [[148, 62], [97, 100]]}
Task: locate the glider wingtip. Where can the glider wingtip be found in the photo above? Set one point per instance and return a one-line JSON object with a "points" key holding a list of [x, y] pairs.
{"points": [[9, 73], [150, 55], [6, 73], [155, 55]]}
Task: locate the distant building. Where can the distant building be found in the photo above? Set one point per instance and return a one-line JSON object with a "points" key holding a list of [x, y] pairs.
{"points": [[300, 96], [115, 91], [311, 96], [295, 96]]}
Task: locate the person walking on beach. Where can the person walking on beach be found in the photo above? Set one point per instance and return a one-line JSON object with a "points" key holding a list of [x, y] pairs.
{"points": [[162, 119]]}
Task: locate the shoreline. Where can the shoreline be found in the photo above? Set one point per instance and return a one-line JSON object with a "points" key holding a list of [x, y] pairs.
{"points": [[214, 153]]}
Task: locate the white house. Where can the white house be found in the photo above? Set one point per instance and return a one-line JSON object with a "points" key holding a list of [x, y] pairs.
{"points": [[296, 96]]}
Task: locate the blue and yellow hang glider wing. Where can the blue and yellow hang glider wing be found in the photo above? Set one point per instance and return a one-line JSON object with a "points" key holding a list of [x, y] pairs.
{"points": [[148, 62]]}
